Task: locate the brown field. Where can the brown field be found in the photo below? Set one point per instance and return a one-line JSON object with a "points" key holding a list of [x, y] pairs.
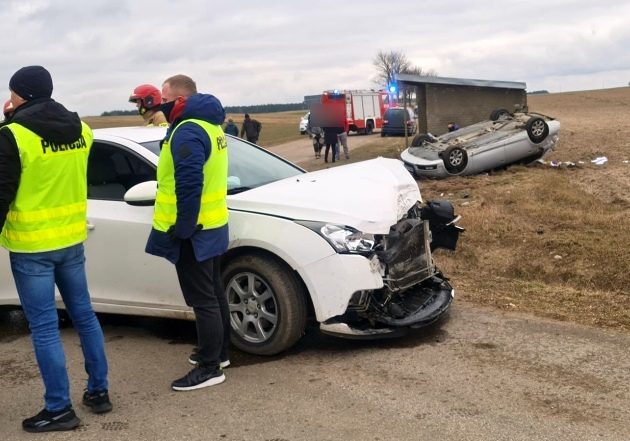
{"points": [[277, 127], [548, 241]]}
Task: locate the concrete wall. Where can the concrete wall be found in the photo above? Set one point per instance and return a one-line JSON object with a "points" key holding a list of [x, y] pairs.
{"points": [[439, 104]]}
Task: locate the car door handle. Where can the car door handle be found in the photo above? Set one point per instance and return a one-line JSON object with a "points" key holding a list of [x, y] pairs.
{"points": [[90, 226]]}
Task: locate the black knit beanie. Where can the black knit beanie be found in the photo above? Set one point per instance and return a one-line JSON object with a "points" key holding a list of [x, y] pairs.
{"points": [[32, 82]]}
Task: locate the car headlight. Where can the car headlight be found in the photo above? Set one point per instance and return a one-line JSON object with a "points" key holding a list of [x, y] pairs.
{"points": [[343, 239]]}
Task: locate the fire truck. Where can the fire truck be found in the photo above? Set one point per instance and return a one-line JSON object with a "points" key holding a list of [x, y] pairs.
{"points": [[363, 109]]}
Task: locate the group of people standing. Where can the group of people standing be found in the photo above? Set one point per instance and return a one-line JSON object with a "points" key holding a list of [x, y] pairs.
{"points": [[333, 137], [44, 150]]}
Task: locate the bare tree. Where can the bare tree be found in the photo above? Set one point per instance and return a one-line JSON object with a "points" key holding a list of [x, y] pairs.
{"points": [[390, 64]]}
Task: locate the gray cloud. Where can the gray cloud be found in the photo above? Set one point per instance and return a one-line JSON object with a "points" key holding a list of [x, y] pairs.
{"points": [[274, 51]]}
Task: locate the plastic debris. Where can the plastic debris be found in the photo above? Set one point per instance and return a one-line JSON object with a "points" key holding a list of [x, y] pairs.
{"points": [[600, 160]]}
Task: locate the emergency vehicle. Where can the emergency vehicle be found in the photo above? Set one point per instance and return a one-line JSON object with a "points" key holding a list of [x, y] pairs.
{"points": [[364, 109]]}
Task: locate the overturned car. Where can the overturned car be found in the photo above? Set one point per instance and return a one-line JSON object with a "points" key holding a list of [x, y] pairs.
{"points": [[506, 138]]}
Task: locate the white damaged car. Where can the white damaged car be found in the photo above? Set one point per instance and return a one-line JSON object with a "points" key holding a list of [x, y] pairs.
{"points": [[503, 140], [348, 249]]}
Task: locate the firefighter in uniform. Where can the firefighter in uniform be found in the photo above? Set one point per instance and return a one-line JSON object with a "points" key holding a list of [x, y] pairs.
{"points": [[148, 100]]}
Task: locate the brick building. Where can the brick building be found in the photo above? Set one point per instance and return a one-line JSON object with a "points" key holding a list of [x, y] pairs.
{"points": [[443, 100]]}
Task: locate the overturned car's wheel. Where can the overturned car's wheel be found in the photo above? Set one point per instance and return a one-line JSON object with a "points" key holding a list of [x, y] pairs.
{"points": [[267, 304], [420, 138], [455, 159], [537, 129], [499, 114]]}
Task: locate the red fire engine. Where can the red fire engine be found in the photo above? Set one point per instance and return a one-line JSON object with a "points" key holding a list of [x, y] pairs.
{"points": [[363, 109]]}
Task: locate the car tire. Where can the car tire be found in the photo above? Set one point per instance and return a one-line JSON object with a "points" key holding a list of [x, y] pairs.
{"points": [[455, 159], [499, 114], [420, 138], [261, 291], [537, 129]]}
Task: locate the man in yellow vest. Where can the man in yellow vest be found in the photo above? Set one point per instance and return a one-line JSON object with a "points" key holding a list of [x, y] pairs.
{"points": [[190, 222], [43, 199]]}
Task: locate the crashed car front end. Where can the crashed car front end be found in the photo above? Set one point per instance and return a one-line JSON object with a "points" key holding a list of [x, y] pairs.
{"points": [[414, 292]]}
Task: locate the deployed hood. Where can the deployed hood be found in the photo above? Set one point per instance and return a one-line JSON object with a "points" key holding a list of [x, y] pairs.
{"points": [[370, 196]]}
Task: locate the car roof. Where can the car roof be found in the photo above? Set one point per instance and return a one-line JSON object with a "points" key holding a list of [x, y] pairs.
{"points": [[138, 134]]}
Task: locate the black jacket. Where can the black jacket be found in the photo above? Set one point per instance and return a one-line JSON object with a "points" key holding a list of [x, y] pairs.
{"points": [[46, 118], [251, 128]]}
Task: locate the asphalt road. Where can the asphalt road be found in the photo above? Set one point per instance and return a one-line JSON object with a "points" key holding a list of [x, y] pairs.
{"points": [[482, 375]]}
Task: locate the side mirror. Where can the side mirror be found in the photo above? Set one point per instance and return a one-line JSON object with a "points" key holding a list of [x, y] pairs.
{"points": [[142, 195]]}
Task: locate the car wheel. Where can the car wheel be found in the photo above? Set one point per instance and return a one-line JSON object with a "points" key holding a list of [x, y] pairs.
{"points": [[537, 129], [455, 159], [420, 138], [267, 305], [499, 114]]}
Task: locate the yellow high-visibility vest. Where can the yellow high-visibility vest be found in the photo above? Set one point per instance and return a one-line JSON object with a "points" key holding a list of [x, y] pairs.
{"points": [[213, 212], [50, 208]]}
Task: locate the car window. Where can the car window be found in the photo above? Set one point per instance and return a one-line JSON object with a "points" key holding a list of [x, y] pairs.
{"points": [[250, 166], [112, 170]]}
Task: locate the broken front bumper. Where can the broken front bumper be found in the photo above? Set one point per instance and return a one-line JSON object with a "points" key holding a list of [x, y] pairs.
{"points": [[423, 306]]}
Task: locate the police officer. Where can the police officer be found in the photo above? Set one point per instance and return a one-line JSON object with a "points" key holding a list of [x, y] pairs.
{"points": [[190, 221], [43, 200]]}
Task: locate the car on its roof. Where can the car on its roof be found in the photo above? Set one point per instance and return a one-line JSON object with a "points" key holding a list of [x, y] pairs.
{"points": [[506, 138], [348, 249]]}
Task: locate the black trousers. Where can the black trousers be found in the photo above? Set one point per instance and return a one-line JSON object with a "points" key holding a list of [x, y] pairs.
{"points": [[330, 145], [203, 291]]}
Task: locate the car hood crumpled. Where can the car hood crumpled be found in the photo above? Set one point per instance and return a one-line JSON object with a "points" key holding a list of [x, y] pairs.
{"points": [[370, 196]]}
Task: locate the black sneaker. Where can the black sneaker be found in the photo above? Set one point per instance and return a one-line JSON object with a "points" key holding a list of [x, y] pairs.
{"points": [[194, 359], [98, 402], [199, 377], [46, 421]]}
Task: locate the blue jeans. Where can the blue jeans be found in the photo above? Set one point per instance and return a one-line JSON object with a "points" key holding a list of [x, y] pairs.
{"points": [[35, 277]]}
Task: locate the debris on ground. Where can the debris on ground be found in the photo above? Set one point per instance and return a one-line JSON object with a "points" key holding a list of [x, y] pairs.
{"points": [[600, 160]]}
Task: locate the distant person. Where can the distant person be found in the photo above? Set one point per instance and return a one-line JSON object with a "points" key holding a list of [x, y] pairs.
{"points": [[43, 215], [148, 100], [452, 127], [317, 134], [230, 128], [343, 139], [251, 129], [330, 140]]}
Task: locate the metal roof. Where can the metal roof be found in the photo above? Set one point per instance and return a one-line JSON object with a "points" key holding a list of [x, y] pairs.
{"points": [[421, 79]]}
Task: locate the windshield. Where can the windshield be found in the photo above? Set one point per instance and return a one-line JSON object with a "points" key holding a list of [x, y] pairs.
{"points": [[249, 166]]}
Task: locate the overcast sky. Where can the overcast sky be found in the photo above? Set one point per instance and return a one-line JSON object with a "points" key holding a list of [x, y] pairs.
{"points": [[272, 51]]}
